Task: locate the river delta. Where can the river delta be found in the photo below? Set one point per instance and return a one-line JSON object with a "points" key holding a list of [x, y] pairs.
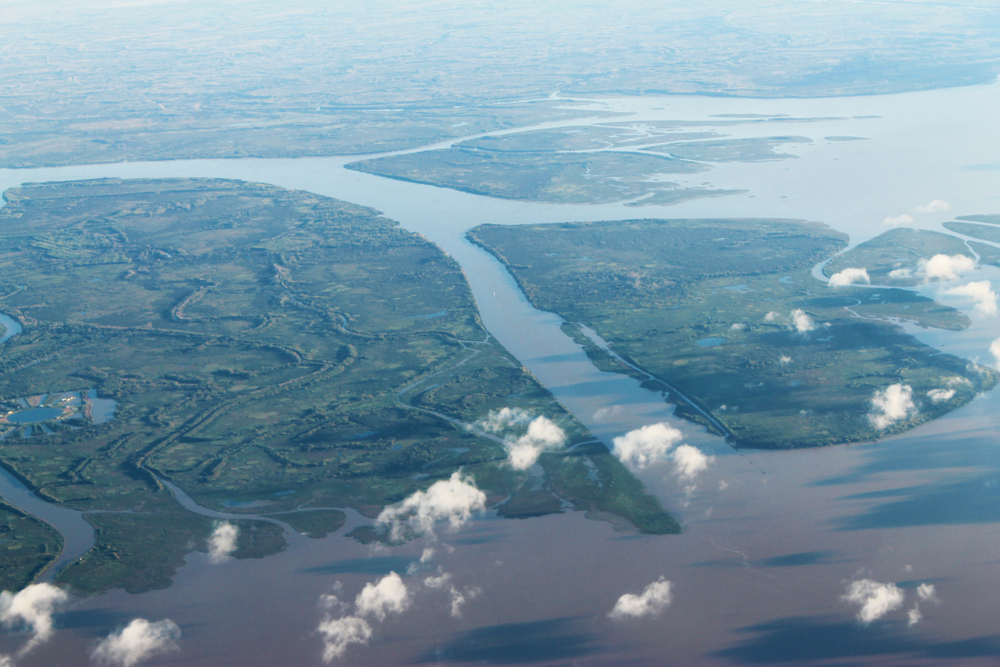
{"points": [[770, 540]]}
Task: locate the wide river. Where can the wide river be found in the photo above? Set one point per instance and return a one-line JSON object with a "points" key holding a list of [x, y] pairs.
{"points": [[771, 539]]}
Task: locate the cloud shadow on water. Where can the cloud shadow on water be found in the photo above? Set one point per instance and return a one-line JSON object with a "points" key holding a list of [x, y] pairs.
{"points": [[517, 644], [369, 566], [802, 639], [793, 560]]}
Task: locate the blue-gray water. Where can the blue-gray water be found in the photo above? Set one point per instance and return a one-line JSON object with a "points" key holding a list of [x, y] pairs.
{"points": [[771, 538]]}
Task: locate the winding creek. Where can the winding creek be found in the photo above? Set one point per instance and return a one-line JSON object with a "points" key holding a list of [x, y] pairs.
{"points": [[771, 538]]}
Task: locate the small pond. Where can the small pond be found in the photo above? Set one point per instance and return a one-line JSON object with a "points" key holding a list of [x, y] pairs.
{"points": [[34, 415], [710, 342]]}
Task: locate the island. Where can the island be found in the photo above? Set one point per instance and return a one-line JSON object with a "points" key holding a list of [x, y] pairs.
{"points": [[727, 319], [267, 351]]}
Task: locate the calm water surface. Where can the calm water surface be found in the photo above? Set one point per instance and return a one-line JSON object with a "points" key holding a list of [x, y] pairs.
{"points": [[771, 538]]}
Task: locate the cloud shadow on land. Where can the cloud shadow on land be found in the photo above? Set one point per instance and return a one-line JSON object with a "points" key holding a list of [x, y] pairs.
{"points": [[974, 500], [801, 639], [517, 643], [370, 566]]}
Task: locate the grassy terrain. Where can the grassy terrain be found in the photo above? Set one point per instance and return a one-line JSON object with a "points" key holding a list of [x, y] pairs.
{"points": [[27, 546], [268, 350], [705, 306], [987, 254], [758, 149], [581, 178], [315, 523], [587, 137], [992, 219], [982, 232], [899, 248]]}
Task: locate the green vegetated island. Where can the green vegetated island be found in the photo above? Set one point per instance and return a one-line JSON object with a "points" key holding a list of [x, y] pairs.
{"points": [[638, 162], [726, 316], [265, 350]]}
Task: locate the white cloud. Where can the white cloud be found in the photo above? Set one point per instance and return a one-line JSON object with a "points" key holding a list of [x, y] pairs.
{"points": [[543, 435], [892, 404], [849, 277], [946, 267], [498, 420], [339, 633], [927, 593], [914, 616], [785, 359], [995, 351], [941, 395], [452, 500], [222, 542], [690, 461], [894, 220], [646, 445], [137, 641], [901, 273], [603, 413], [802, 322], [981, 293], [738, 326], [654, 599], [389, 595], [458, 597], [936, 206], [771, 316], [32, 606], [874, 599]]}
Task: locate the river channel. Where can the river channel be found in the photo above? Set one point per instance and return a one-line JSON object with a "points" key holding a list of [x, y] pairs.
{"points": [[771, 539]]}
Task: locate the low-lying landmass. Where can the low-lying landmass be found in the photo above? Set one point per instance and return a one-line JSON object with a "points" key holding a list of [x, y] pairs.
{"points": [[895, 257], [27, 547], [757, 149], [727, 317], [266, 351]]}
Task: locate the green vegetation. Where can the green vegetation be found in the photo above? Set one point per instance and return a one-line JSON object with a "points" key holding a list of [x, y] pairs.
{"points": [[758, 149], [899, 250], [706, 307], [988, 254], [579, 178], [587, 137], [268, 350], [27, 547]]}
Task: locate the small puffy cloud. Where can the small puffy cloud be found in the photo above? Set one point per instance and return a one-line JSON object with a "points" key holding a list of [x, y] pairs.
{"points": [[995, 351], [914, 616], [690, 461], [874, 599], [946, 267], [802, 322], [452, 500], [892, 404], [653, 600], [981, 292], [772, 316], [33, 606], [136, 642], [901, 273], [927, 593], [458, 597], [222, 542], [738, 326], [849, 277], [543, 435], [339, 633], [646, 445], [605, 413], [389, 595], [498, 420], [895, 220], [936, 206], [941, 395], [785, 359]]}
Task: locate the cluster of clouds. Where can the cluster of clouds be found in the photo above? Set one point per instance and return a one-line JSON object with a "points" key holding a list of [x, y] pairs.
{"points": [[542, 435], [800, 321], [875, 599], [982, 295], [375, 601], [654, 599], [138, 641], [849, 276], [938, 267], [453, 500], [33, 608], [892, 404], [222, 541], [934, 206], [656, 443]]}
